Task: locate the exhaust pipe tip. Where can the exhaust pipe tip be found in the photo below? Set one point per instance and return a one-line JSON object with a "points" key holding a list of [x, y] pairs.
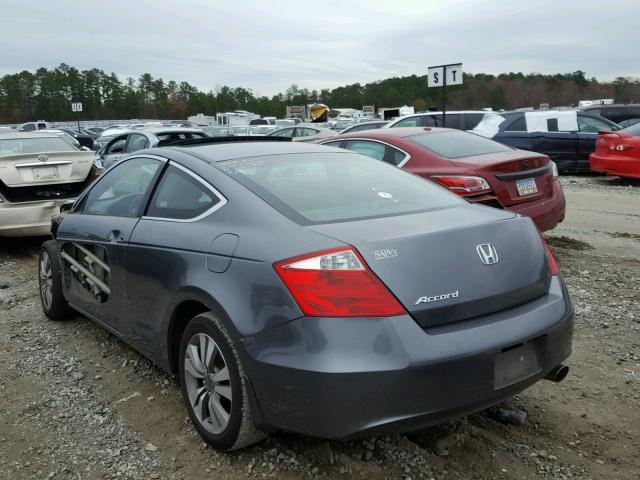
{"points": [[557, 374]]}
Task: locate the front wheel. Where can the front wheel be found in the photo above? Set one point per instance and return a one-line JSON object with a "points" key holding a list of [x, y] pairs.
{"points": [[54, 305], [214, 386]]}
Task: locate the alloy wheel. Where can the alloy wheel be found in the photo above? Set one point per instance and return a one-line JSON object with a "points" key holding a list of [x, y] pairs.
{"points": [[207, 382], [46, 281]]}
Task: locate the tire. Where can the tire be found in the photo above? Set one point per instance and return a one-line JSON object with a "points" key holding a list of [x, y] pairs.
{"points": [[216, 399], [54, 305]]}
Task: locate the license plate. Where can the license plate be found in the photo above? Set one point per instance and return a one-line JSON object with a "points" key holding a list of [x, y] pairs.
{"points": [[516, 364], [44, 172], [526, 186]]}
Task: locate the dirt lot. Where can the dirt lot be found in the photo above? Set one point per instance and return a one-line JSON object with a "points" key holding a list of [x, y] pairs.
{"points": [[75, 402]]}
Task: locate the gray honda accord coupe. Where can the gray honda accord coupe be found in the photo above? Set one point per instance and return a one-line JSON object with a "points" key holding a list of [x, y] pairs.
{"points": [[306, 288]]}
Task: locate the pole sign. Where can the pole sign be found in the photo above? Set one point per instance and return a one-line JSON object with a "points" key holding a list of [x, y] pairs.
{"points": [[445, 75], [76, 107], [441, 76]]}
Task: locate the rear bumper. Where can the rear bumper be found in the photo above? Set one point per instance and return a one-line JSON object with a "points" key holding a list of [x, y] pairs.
{"points": [[545, 214], [28, 219], [340, 378], [621, 166]]}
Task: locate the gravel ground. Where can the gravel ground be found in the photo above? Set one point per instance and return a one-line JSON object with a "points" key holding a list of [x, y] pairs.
{"points": [[75, 402]]}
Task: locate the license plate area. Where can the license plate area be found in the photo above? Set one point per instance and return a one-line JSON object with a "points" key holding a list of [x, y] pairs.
{"points": [[44, 173], [526, 186], [516, 363]]}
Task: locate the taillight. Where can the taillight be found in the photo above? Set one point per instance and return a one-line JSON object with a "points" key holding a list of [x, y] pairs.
{"points": [[337, 283], [463, 185], [95, 173], [553, 265], [554, 169]]}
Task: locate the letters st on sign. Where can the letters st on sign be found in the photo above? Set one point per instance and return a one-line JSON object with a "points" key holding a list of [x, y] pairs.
{"points": [[453, 73]]}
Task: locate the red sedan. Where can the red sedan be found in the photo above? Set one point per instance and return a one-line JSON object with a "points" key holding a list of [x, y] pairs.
{"points": [[618, 153], [482, 170]]}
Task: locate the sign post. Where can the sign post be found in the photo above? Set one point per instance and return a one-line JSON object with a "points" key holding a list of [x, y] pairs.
{"points": [[77, 107], [441, 76]]}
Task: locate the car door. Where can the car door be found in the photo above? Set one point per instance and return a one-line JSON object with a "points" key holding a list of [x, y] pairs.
{"points": [[173, 242], [114, 150], [93, 239], [588, 128]]}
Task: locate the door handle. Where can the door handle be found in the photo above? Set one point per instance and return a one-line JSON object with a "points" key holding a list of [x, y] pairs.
{"points": [[115, 236]]}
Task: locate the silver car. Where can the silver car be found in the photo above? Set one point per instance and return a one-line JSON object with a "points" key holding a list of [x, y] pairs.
{"points": [[133, 140], [39, 172]]}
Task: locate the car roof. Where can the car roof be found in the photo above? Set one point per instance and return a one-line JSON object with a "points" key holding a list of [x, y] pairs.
{"points": [[36, 134], [220, 151]]}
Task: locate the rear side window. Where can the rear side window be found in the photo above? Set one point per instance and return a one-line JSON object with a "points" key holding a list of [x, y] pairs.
{"points": [[633, 130], [518, 125], [180, 196], [370, 149], [336, 187], [450, 144]]}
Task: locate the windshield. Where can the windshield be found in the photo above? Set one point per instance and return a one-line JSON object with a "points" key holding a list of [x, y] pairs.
{"points": [[334, 187], [457, 144], [19, 146]]}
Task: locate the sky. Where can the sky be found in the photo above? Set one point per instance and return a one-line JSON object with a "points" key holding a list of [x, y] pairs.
{"points": [[268, 45]]}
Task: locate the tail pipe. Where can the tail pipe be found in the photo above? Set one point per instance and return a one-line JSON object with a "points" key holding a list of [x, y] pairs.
{"points": [[558, 373]]}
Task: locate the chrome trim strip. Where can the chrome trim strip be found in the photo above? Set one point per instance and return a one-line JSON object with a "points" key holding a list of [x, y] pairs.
{"points": [[204, 183], [43, 164]]}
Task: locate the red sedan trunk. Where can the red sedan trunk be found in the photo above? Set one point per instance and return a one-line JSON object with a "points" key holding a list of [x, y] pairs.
{"points": [[477, 168], [618, 153]]}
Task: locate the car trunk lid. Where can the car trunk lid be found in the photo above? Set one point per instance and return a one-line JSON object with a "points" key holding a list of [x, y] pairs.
{"points": [[434, 262], [516, 177], [45, 168]]}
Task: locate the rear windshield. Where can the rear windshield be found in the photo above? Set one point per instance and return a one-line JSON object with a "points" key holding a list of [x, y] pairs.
{"points": [[336, 187], [633, 130], [457, 144], [19, 146]]}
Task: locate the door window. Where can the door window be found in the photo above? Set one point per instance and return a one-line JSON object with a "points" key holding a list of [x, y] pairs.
{"points": [[117, 145], [471, 120], [136, 142], [122, 190], [180, 196], [305, 132], [591, 125], [285, 132], [370, 149], [409, 122]]}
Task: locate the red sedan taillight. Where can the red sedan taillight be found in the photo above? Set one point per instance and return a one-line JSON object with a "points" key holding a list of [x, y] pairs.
{"points": [[463, 185], [337, 283]]}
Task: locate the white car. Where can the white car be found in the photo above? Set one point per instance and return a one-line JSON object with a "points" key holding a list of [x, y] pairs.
{"points": [[458, 119], [303, 132], [39, 172]]}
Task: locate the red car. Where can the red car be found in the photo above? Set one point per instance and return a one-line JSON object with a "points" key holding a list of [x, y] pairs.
{"points": [[482, 170], [618, 153]]}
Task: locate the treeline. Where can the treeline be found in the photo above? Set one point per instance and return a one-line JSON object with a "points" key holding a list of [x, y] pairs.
{"points": [[47, 94]]}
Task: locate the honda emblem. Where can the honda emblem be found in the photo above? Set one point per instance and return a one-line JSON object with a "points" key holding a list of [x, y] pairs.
{"points": [[487, 253]]}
